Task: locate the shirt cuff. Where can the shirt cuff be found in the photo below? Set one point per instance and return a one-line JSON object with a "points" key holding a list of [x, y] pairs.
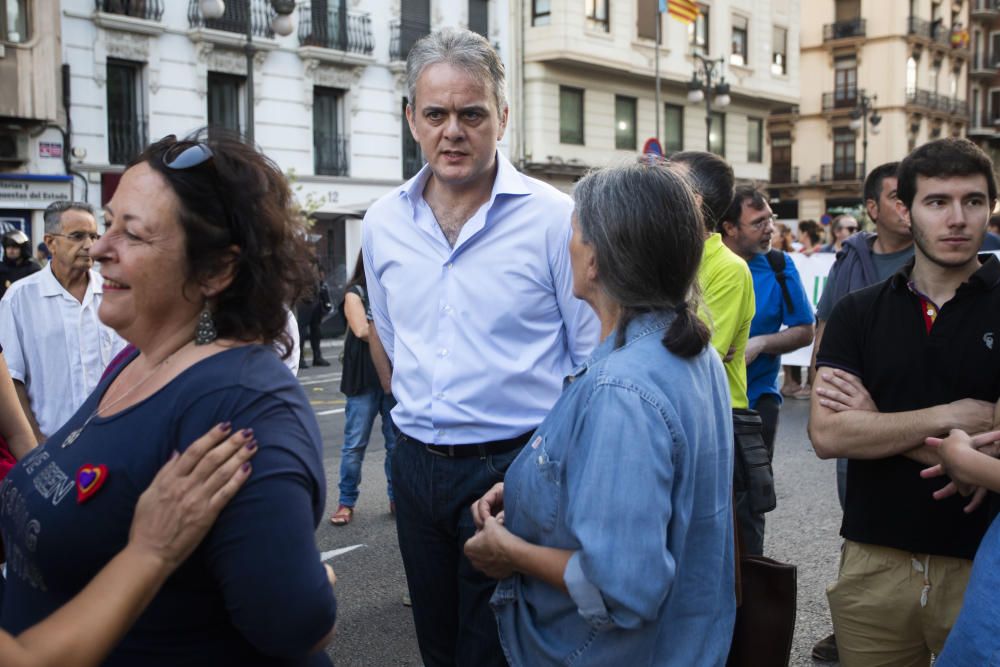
{"points": [[586, 595]]}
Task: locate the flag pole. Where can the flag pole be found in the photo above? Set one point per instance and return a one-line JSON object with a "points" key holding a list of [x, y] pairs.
{"points": [[659, 22]]}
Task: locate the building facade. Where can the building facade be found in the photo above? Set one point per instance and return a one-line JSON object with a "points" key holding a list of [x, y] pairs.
{"points": [[327, 101], [878, 78], [34, 167], [984, 77], [584, 89]]}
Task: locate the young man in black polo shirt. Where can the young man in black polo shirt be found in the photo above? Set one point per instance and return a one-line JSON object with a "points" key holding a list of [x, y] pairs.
{"points": [[900, 361]]}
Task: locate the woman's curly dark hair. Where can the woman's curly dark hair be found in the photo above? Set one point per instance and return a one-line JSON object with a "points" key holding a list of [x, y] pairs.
{"points": [[239, 197]]}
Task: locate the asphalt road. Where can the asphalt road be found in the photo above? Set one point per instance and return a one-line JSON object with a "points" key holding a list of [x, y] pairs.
{"points": [[375, 629]]}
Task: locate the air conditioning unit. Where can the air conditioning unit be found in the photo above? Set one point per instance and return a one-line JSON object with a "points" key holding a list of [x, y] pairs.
{"points": [[13, 147]]}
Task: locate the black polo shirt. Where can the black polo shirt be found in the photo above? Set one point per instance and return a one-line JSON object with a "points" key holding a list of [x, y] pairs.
{"points": [[879, 334]]}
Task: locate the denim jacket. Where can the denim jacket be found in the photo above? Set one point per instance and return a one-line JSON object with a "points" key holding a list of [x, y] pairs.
{"points": [[632, 471]]}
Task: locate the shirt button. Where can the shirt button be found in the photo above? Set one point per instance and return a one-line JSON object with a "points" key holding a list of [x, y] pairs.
{"points": [[443, 352], [439, 396], [448, 310], [541, 459], [449, 265]]}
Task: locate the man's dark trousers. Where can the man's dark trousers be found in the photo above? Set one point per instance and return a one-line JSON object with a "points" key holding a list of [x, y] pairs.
{"points": [[455, 625], [752, 525]]}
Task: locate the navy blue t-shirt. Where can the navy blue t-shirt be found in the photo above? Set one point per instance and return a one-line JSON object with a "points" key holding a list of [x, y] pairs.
{"points": [[254, 592]]}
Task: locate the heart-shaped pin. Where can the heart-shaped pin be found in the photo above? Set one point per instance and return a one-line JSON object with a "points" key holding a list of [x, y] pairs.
{"points": [[89, 479]]}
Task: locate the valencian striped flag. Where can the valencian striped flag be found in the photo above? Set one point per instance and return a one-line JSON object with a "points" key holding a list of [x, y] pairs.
{"points": [[685, 11]]}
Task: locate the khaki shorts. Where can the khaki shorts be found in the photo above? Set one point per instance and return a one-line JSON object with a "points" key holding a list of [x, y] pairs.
{"points": [[893, 608]]}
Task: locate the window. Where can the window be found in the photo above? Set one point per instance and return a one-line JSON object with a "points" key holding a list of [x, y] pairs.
{"points": [[541, 12], [698, 31], [330, 147], [673, 128], [935, 77], [224, 101], [479, 17], [597, 15], [845, 81], [844, 144], [847, 10], [14, 21], [995, 105], [126, 120], [953, 84], [570, 115], [413, 158], [755, 140], [717, 135], [911, 76], [738, 50], [625, 123], [647, 15], [779, 49], [995, 49], [781, 158]]}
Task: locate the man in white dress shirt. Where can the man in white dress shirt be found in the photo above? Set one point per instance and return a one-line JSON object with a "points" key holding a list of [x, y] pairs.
{"points": [[53, 342]]}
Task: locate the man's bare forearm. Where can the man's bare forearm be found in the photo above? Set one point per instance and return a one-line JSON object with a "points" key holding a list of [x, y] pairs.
{"points": [[383, 367], [22, 396], [792, 338], [861, 434]]}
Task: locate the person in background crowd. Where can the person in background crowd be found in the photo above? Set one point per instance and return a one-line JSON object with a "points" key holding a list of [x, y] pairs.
{"points": [[312, 310], [810, 236], [899, 361], [360, 383], [472, 303], [992, 239], [844, 227], [55, 345], [200, 257], [42, 254], [783, 239], [615, 544], [781, 300], [866, 259], [17, 260]]}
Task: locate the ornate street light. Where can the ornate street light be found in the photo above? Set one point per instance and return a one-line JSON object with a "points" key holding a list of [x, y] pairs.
{"points": [[281, 25], [711, 84], [859, 121]]}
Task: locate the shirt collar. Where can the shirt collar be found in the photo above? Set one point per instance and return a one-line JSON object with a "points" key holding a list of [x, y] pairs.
{"points": [[508, 181], [49, 285], [641, 325], [986, 277]]}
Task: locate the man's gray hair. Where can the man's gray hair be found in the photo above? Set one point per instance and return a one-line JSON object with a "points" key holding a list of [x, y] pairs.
{"points": [[53, 214], [464, 49]]}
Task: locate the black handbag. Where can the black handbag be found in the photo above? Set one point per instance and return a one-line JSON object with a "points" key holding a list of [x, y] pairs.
{"points": [[753, 473]]}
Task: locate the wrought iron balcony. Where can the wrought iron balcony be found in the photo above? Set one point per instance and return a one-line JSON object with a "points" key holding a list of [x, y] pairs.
{"points": [[403, 35], [784, 173], [258, 13], [332, 154], [984, 9], [918, 27], [841, 171], [844, 29], [337, 29], [126, 139], [841, 98], [150, 10]]}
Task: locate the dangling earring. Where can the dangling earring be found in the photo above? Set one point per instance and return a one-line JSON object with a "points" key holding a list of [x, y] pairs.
{"points": [[205, 333]]}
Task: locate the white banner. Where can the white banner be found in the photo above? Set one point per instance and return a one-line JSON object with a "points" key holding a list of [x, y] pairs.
{"points": [[813, 270]]}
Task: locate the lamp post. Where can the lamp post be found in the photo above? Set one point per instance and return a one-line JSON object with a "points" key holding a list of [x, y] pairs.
{"points": [[860, 120], [281, 25], [712, 83]]}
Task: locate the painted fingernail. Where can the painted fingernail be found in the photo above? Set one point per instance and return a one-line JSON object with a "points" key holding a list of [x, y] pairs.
{"points": [[225, 427], [252, 445], [247, 432], [245, 467]]}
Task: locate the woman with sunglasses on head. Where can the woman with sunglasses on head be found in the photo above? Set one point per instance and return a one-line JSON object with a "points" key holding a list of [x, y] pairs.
{"points": [[201, 253]]}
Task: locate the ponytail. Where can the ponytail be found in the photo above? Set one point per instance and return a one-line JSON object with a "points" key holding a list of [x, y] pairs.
{"points": [[687, 335]]}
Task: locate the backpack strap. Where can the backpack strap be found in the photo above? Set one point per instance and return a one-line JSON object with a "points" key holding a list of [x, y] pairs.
{"points": [[776, 259]]}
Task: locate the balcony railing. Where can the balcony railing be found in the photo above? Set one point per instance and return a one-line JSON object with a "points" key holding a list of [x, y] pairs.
{"points": [[235, 18], [935, 101], [338, 30], [126, 139], [985, 8], [150, 10], [784, 173], [332, 154], [844, 29], [986, 63], [918, 27], [403, 35], [841, 98], [790, 110], [841, 171]]}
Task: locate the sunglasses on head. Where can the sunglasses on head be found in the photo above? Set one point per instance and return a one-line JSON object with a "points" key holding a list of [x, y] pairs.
{"points": [[183, 155]]}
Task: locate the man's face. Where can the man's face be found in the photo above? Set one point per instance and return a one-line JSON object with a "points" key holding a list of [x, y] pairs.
{"points": [[13, 252], [884, 212], [70, 247], [455, 120], [847, 226], [948, 218], [752, 235]]}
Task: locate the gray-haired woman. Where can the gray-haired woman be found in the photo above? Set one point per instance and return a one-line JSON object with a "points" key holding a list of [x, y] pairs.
{"points": [[613, 532]]}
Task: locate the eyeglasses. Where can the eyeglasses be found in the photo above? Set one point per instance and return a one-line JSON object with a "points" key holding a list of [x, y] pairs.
{"points": [[79, 237], [763, 222], [183, 155]]}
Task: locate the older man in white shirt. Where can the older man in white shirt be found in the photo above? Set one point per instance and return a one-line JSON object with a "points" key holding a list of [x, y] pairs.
{"points": [[53, 342]]}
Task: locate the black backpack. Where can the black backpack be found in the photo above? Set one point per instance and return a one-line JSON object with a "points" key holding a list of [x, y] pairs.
{"points": [[776, 259]]}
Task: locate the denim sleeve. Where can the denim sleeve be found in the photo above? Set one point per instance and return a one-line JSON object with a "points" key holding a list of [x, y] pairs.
{"points": [[802, 312], [377, 300], [619, 485]]}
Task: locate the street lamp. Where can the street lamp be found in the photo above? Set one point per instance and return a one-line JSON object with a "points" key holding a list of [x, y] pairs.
{"points": [[713, 85], [281, 25], [860, 120]]}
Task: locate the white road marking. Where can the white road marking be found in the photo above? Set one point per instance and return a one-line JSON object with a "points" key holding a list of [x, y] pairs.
{"points": [[327, 555], [320, 379], [335, 411]]}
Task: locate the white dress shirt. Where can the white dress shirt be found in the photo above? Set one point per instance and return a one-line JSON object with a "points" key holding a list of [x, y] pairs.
{"points": [[55, 344], [482, 334]]}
